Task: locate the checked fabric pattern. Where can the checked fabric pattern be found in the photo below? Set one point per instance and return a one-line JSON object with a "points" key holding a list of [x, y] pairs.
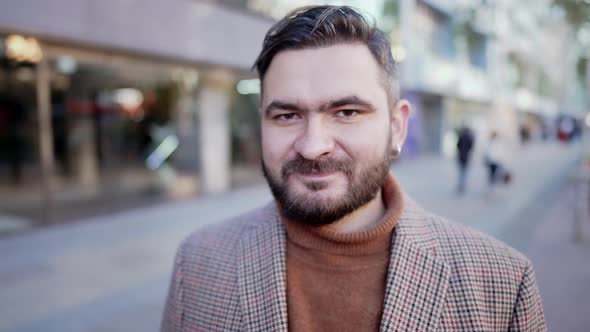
{"points": [[442, 277]]}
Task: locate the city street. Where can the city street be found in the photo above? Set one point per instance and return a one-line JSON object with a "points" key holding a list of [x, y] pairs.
{"points": [[120, 137], [111, 273]]}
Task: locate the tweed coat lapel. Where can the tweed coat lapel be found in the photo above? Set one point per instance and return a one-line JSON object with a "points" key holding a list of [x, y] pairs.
{"points": [[262, 276], [417, 281]]}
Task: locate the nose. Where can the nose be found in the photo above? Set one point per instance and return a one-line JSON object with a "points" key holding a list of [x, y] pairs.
{"points": [[315, 141]]}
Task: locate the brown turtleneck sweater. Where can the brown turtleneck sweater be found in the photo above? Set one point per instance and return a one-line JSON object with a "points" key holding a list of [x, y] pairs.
{"points": [[336, 282]]}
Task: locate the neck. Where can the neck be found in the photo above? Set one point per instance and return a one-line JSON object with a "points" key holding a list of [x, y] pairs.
{"points": [[362, 218]]}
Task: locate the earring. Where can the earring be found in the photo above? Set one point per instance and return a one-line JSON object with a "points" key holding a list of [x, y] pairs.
{"points": [[397, 151]]}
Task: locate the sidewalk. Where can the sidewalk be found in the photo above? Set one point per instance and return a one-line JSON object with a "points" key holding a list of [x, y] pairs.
{"points": [[539, 167], [111, 273], [561, 264]]}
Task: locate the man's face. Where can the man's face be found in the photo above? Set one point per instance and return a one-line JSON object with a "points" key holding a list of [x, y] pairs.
{"points": [[327, 131]]}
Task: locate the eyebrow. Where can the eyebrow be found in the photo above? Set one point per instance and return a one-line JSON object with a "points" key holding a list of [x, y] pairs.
{"points": [[345, 101], [281, 105]]}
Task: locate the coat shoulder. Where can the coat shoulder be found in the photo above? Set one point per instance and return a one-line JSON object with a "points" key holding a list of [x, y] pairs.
{"points": [[490, 283], [221, 239], [204, 284], [456, 243], [463, 246], [459, 242]]}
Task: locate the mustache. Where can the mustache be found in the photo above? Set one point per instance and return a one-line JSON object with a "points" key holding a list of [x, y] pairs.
{"points": [[322, 165]]}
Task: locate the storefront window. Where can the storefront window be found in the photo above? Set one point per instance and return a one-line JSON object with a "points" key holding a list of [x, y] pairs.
{"points": [[124, 134], [245, 140], [19, 152]]}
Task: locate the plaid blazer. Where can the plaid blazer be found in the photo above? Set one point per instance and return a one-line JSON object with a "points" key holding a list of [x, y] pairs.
{"points": [[442, 277]]}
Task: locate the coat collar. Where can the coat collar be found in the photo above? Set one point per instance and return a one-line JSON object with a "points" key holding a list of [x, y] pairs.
{"points": [[262, 277], [417, 280]]}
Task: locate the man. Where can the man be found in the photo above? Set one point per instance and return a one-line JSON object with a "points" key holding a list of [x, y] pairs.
{"points": [[464, 147], [495, 160], [342, 248]]}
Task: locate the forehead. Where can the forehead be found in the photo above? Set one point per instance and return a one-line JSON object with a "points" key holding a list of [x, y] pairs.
{"points": [[311, 76]]}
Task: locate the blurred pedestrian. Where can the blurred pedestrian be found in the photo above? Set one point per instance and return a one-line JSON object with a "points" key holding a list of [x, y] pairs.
{"points": [[342, 248], [565, 129], [525, 134], [465, 143], [496, 163]]}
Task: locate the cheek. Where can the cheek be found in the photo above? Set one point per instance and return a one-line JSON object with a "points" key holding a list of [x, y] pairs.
{"points": [[276, 146], [366, 141]]}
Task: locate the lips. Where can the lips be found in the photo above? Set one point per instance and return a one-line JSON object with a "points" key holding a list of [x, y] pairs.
{"points": [[315, 174]]}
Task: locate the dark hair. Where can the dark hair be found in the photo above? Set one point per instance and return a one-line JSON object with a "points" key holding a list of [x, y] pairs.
{"points": [[320, 26]]}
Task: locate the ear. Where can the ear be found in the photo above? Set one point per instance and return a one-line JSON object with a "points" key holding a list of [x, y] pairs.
{"points": [[399, 122]]}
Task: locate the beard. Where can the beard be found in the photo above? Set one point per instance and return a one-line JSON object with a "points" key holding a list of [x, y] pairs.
{"points": [[362, 186]]}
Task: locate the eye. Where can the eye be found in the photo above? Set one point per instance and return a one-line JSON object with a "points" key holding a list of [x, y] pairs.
{"points": [[347, 113], [286, 116]]}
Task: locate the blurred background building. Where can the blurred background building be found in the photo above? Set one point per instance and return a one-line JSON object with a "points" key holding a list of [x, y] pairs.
{"points": [[108, 105]]}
